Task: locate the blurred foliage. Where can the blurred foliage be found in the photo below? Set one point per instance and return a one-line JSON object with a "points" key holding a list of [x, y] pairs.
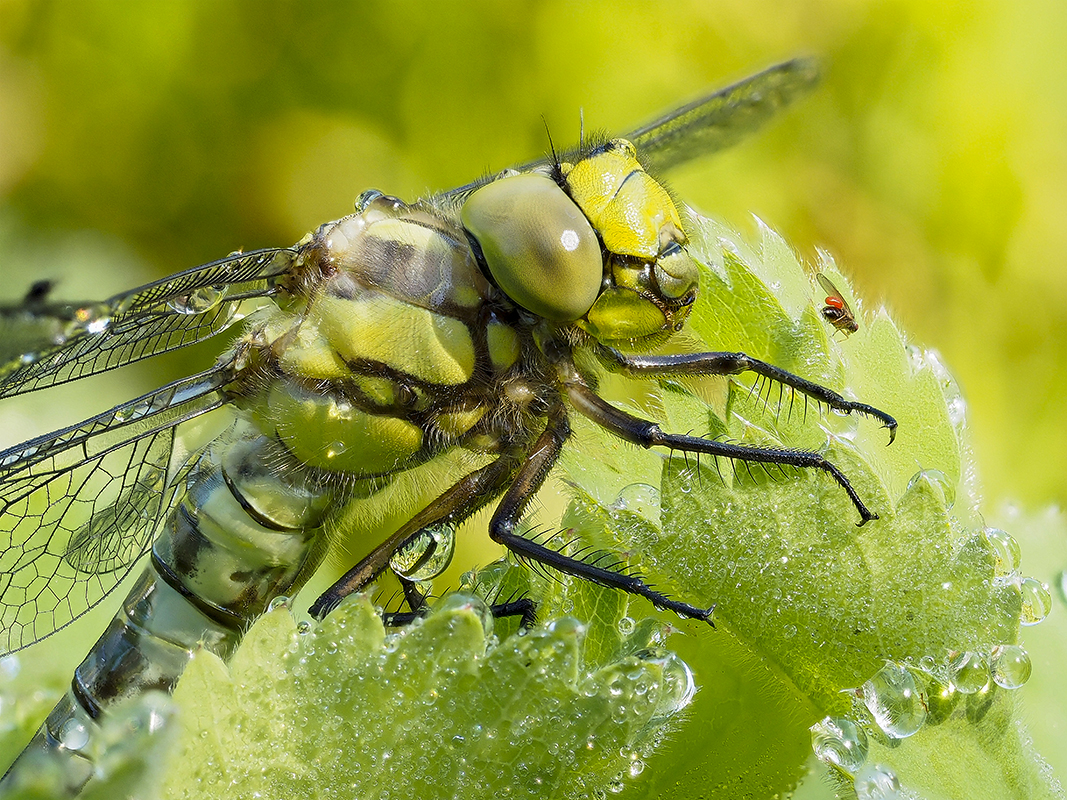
{"points": [[140, 139]]}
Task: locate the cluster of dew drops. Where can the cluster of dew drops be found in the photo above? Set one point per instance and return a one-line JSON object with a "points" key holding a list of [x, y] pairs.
{"points": [[95, 318], [898, 700]]}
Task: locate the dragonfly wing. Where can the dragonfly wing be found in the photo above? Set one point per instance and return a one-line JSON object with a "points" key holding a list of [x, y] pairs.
{"points": [[706, 125], [723, 118], [162, 316], [78, 507]]}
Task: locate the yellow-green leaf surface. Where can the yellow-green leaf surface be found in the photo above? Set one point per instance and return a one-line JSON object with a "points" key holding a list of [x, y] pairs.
{"points": [[438, 709]]}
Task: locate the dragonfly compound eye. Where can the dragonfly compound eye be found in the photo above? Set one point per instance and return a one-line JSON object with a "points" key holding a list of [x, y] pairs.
{"points": [[539, 247]]}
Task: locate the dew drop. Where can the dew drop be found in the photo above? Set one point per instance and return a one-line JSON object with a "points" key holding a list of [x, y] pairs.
{"points": [[303, 627], [894, 700], [641, 499], [427, 555], [1061, 584], [840, 742], [957, 411], [457, 602], [1005, 551], [937, 478], [197, 301], [74, 735], [627, 625], [1037, 601], [941, 698], [366, 198], [281, 601], [1009, 664], [968, 672], [678, 683], [92, 319], [877, 782]]}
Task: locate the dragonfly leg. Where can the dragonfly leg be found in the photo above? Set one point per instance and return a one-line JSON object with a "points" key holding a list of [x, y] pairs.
{"points": [[648, 434], [525, 608], [459, 502], [527, 481], [733, 364]]}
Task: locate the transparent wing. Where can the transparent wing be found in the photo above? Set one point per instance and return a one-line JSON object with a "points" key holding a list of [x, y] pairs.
{"points": [[74, 341], [706, 125], [78, 507], [831, 291], [721, 119]]}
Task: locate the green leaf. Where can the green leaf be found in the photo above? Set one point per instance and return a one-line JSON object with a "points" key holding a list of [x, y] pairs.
{"points": [[811, 607], [438, 709]]}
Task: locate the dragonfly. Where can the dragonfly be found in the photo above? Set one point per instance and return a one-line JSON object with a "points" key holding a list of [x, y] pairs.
{"points": [[380, 342]]}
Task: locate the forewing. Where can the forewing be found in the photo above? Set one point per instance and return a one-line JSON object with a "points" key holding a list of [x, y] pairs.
{"points": [[724, 117], [79, 340], [78, 507]]}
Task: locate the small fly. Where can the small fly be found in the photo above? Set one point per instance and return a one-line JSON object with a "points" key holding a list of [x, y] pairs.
{"points": [[837, 311]]}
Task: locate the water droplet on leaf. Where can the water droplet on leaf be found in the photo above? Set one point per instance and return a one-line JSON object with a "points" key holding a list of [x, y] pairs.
{"points": [[969, 672], [1037, 601], [1010, 666], [839, 741], [894, 700], [877, 782], [1005, 551]]}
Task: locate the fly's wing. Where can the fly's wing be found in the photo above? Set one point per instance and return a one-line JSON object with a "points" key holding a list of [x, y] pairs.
{"points": [[723, 118], [78, 507], [72, 341], [831, 290]]}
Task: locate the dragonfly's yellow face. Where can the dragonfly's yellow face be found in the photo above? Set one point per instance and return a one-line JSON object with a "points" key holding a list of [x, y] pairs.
{"points": [[599, 243]]}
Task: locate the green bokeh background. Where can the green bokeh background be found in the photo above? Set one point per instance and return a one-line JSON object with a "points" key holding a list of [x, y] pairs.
{"points": [[138, 139]]}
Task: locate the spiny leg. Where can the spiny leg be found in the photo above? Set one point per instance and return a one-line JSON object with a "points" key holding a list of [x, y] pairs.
{"points": [[527, 481], [457, 504], [524, 607], [733, 364], [648, 434]]}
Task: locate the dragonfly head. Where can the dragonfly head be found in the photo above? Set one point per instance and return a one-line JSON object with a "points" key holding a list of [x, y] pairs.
{"points": [[599, 244]]}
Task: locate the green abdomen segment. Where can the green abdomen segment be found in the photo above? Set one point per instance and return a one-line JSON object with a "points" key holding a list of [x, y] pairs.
{"points": [[241, 536]]}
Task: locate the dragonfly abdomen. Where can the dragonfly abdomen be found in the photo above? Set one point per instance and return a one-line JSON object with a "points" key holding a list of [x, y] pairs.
{"points": [[245, 533]]}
